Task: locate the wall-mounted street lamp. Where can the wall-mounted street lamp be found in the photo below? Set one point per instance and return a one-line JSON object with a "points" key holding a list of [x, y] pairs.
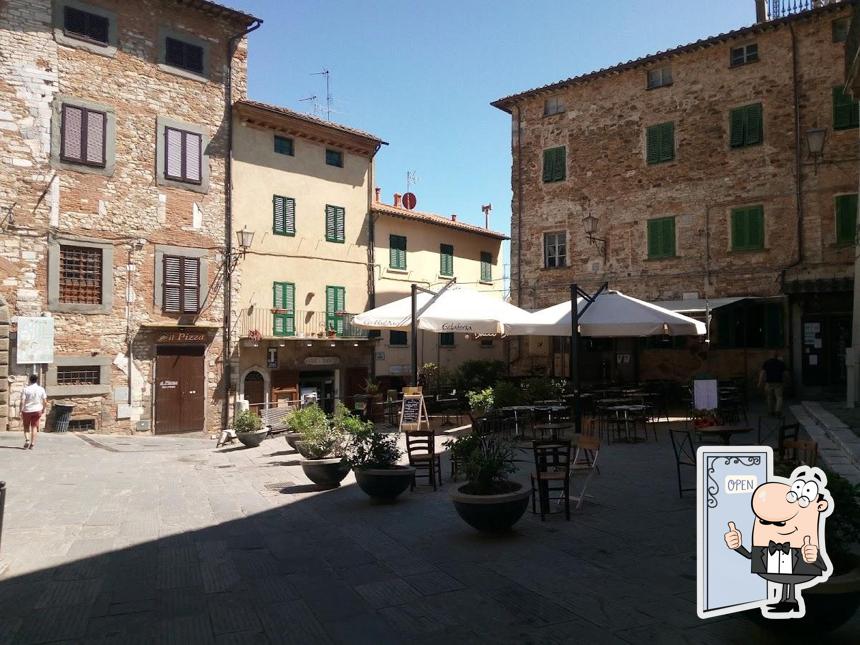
{"points": [[589, 222], [815, 140], [245, 239]]}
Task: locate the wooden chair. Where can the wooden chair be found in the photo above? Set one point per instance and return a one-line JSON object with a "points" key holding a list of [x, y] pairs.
{"points": [[421, 448], [684, 448], [585, 460], [800, 451], [552, 465]]}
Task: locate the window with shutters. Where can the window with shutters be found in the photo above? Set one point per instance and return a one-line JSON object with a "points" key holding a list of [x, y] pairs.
{"points": [[486, 267], [80, 275], [183, 55], [446, 260], [846, 218], [554, 165], [747, 228], [283, 215], [839, 29], [284, 146], [84, 25], [750, 325], [397, 338], [283, 309], [446, 339], [83, 135], [397, 252], [659, 77], [335, 306], [660, 143], [334, 157], [181, 285], [661, 238], [335, 224], [553, 105], [554, 250], [182, 155], [743, 55], [846, 113], [745, 125]]}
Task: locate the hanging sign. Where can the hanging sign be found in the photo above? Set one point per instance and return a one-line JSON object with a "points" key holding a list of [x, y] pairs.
{"points": [[35, 340]]}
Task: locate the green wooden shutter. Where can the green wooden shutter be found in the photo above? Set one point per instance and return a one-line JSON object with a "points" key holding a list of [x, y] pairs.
{"points": [[654, 243], [335, 301], [753, 130], [330, 228], [846, 113], [738, 121], [846, 218], [284, 300], [560, 169], [667, 142], [660, 143], [446, 260], [283, 215], [755, 227], [486, 266], [340, 227], [397, 251], [747, 228], [669, 237], [739, 231], [661, 237], [554, 164], [652, 136]]}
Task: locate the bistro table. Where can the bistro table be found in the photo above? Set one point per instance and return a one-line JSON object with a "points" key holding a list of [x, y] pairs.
{"points": [[627, 419], [516, 409], [723, 433], [553, 428], [445, 405]]}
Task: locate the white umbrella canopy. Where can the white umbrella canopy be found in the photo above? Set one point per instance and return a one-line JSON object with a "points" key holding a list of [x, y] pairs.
{"points": [[611, 315], [455, 309]]}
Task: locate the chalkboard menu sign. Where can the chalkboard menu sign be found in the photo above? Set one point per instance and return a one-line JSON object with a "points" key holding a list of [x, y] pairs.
{"points": [[413, 412]]}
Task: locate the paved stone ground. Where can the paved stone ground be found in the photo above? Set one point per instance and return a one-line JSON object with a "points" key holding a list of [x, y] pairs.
{"points": [[142, 540]]}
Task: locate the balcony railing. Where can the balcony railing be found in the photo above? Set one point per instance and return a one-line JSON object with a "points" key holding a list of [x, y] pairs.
{"points": [[263, 322], [782, 8]]}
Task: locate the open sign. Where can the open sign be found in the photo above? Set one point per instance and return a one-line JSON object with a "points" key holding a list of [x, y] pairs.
{"points": [[740, 484]]}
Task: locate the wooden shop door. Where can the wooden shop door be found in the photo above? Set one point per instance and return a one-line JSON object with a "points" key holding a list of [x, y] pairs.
{"points": [[179, 389]]}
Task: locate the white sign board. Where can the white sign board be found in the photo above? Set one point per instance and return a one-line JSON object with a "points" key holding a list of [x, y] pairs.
{"points": [[35, 340]]}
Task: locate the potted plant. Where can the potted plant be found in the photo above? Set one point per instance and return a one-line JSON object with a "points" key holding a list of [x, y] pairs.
{"points": [[373, 457], [322, 445], [249, 428], [488, 501], [480, 402]]}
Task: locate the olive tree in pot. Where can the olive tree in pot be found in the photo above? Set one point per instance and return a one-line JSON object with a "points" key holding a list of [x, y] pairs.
{"points": [[480, 402], [249, 428], [373, 457], [488, 501], [322, 446]]}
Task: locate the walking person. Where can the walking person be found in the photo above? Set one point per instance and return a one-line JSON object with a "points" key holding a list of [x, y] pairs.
{"points": [[772, 378], [33, 399]]}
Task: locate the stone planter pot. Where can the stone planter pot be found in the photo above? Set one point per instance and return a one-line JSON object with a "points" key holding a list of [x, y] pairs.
{"points": [[252, 439], [326, 472], [491, 513], [292, 438], [384, 484]]}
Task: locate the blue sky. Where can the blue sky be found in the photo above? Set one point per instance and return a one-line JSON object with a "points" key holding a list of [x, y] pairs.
{"points": [[421, 75]]}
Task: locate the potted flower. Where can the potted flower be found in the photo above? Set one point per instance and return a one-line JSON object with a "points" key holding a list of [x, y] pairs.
{"points": [[480, 402], [488, 501], [249, 428], [322, 445], [373, 457]]}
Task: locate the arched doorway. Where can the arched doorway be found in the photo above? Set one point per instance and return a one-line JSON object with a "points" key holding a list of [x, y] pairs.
{"points": [[255, 390]]}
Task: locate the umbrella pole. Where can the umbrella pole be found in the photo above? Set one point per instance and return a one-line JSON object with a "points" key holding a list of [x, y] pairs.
{"points": [[414, 335], [574, 358]]}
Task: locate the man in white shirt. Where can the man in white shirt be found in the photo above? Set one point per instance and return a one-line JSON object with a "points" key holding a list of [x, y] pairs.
{"points": [[33, 399]]}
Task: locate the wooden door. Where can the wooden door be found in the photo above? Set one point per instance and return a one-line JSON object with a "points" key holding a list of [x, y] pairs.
{"points": [[255, 390], [179, 389]]}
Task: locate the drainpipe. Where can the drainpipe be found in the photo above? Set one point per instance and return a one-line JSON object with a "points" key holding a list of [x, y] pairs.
{"points": [[227, 296], [519, 226]]}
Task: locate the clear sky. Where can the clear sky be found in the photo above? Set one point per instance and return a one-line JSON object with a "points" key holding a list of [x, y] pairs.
{"points": [[421, 75]]}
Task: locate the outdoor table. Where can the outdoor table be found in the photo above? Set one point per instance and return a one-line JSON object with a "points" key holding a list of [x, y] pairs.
{"points": [[548, 402], [550, 409], [391, 408], [723, 433], [554, 428], [445, 404], [606, 402], [626, 419], [516, 409]]}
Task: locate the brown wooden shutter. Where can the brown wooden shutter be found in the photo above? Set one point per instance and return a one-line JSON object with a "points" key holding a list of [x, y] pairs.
{"points": [[73, 123], [172, 300]]}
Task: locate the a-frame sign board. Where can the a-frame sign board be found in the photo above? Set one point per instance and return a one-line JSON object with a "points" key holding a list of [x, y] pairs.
{"points": [[413, 413]]}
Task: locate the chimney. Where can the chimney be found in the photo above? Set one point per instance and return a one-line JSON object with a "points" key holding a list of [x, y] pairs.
{"points": [[397, 203], [378, 191], [761, 11], [453, 217]]}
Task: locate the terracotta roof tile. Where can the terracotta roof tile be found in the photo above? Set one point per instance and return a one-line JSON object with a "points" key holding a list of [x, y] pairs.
{"points": [[432, 218], [218, 9]]}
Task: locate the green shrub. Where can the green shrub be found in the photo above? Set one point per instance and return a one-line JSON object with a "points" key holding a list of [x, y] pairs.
{"points": [[481, 401], [487, 462], [247, 421], [369, 448], [478, 375], [506, 393]]}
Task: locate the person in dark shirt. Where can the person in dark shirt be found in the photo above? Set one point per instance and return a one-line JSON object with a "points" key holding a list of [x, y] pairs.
{"points": [[772, 378]]}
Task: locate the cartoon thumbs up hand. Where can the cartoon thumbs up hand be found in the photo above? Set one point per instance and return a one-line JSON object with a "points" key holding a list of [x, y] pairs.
{"points": [[809, 550], [733, 537]]}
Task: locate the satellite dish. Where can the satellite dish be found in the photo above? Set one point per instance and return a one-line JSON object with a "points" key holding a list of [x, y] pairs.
{"points": [[409, 201]]}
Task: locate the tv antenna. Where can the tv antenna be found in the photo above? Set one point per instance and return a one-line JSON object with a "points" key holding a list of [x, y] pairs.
{"points": [[411, 178], [315, 104], [326, 73]]}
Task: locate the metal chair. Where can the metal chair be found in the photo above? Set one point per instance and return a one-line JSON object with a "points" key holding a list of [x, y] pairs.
{"points": [[585, 459], [684, 448], [552, 465], [421, 449]]}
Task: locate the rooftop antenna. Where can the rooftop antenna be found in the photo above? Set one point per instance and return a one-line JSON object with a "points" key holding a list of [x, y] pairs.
{"points": [[411, 178], [325, 73], [487, 208], [315, 104]]}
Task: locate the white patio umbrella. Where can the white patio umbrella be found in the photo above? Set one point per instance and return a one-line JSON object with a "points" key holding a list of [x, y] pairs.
{"points": [[455, 309], [611, 315]]}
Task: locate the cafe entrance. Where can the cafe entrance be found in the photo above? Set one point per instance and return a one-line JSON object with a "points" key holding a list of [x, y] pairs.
{"points": [[319, 384], [180, 391]]}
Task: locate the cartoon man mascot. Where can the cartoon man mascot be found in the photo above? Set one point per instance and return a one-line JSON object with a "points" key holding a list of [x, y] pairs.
{"points": [[788, 537]]}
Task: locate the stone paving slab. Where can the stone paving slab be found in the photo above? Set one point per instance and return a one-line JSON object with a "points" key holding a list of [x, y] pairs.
{"points": [[170, 541]]}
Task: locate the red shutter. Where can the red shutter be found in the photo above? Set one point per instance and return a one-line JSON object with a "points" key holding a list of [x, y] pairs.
{"points": [[192, 156], [172, 153], [95, 137], [72, 133]]}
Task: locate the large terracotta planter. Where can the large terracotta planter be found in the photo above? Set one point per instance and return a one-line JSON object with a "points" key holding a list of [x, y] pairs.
{"points": [[491, 513], [326, 472], [252, 439], [384, 484]]}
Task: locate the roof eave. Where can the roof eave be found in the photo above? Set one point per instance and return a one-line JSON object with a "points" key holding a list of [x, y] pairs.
{"points": [[435, 220]]}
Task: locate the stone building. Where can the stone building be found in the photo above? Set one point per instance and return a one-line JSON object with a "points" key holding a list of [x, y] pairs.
{"points": [[697, 173], [112, 201], [430, 250]]}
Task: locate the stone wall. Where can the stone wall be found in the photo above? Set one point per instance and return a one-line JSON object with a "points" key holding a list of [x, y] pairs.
{"points": [[126, 208]]}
